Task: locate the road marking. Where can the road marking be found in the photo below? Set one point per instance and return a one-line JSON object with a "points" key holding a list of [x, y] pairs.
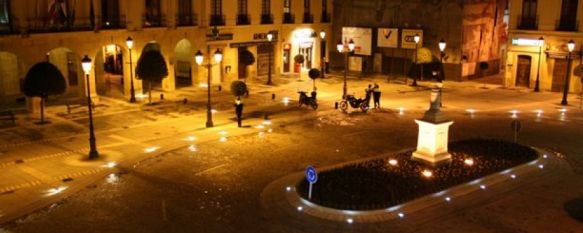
{"points": [[35, 173], [80, 174], [10, 188]]}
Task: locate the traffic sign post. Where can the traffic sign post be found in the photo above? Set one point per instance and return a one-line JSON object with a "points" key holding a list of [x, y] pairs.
{"points": [[312, 177], [516, 126]]}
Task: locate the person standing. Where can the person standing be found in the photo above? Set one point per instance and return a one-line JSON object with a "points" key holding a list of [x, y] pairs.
{"points": [[377, 96], [239, 111], [368, 93]]}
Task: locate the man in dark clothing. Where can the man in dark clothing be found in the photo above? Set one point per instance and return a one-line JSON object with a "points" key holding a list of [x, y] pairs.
{"points": [[376, 93], [239, 111], [368, 92]]}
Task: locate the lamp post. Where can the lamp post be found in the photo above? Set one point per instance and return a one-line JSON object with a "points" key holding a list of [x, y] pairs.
{"points": [[442, 46], [323, 52], [571, 47], [86, 64], [345, 48], [270, 39], [541, 42], [130, 44], [199, 58], [416, 38]]}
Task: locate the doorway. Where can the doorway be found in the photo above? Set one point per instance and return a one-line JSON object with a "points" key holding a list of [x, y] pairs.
{"points": [[559, 74], [286, 58], [109, 71], [523, 71]]}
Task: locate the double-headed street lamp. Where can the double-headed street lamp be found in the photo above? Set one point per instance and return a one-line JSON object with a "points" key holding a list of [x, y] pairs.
{"points": [[416, 38], [199, 58], [130, 44], [541, 42], [323, 52], [571, 47], [86, 64], [270, 39], [345, 48]]}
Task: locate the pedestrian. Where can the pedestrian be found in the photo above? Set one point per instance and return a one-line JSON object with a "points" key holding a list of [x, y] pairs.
{"points": [[368, 92], [239, 111], [376, 93]]}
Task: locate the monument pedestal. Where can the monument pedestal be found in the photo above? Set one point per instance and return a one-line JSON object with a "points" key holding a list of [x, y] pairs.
{"points": [[433, 133]]}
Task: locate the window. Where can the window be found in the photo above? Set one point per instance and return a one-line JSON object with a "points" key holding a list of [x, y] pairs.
{"points": [[266, 7], [242, 16], [325, 16], [308, 18], [306, 6], [185, 16], [4, 12], [242, 7], [324, 6], [287, 6], [217, 13], [153, 13], [568, 21], [528, 19]]}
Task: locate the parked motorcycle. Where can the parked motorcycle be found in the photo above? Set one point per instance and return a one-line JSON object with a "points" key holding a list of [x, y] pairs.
{"points": [[308, 100], [361, 103]]}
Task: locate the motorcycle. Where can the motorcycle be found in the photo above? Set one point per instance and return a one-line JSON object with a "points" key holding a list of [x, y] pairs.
{"points": [[308, 100], [361, 103]]}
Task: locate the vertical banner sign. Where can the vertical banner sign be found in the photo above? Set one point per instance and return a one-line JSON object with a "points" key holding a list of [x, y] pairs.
{"points": [[388, 37], [407, 38], [362, 38], [312, 177]]}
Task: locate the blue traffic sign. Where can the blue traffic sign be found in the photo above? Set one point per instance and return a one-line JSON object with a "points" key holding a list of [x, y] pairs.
{"points": [[311, 175]]}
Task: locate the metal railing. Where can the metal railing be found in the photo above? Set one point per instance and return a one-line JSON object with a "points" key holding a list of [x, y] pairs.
{"points": [[266, 19], [528, 22], [567, 25], [308, 18], [186, 20], [288, 18], [151, 21], [46, 24], [217, 20], [243, 19], [112, 23]]}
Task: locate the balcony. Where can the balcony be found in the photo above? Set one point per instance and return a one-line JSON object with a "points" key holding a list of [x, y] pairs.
{"points": [[325, 17], [186, 20], [113, 22], [266, 19], [567, 25], [528, 22], [217, 20], [308, 18], [46, 25], [151, 21], [288, 18], [243, 19]]}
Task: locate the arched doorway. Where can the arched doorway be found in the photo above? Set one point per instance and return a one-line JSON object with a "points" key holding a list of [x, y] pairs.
{"points": [[109, 63], [183, 64], [12, 71], [523, 71], [69, 63]]}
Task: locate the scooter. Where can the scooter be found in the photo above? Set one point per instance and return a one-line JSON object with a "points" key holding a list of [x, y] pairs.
{"points": [[308, 100], [361, 103]]}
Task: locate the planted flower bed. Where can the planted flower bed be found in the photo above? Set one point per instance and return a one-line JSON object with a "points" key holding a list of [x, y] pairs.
{"points": [[390, 181]]}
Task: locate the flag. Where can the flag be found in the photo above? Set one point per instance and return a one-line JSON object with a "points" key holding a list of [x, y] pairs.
{"points": [[57, 12]]}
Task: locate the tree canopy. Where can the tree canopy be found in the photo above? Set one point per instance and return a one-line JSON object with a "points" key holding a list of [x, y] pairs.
{"points": [[151, 66], [246, 58], [424, 56], [314, 73], [42, 80], [238, 88]]}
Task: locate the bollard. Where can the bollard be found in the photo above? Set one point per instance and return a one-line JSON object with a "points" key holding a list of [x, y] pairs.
{"points": [[220, 88], [336, 105], [161, 96], [266, 116], [185, 101], [273, 96]]}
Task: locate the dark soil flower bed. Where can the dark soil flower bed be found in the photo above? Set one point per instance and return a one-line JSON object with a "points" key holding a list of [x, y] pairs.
{"points": [[376, 184]]}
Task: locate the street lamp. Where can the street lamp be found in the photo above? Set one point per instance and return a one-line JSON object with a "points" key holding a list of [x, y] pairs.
{"points": [[345, 48], [416, 38], [442, 46], [541, 42], [199, 58], [270, 39], [571, 47], [323, 52], [130, 44], [86, 64]]}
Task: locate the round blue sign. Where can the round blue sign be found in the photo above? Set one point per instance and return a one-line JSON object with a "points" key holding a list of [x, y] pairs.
{"points": [[311, 174]]}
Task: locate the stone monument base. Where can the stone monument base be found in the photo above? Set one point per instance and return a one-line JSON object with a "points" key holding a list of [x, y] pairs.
{"points": [[432, 141]]}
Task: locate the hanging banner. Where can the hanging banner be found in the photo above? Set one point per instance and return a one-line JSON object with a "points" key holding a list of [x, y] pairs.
{"points": [[362, 38], [388, 37], [407, 38]]}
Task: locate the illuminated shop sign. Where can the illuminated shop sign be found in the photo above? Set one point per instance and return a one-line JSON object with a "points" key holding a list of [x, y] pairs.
{"points": [[525, 42]]}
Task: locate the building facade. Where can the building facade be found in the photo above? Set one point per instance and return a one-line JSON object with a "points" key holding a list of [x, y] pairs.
{"points": [[557, 22], [472, 29], [63, 31]]}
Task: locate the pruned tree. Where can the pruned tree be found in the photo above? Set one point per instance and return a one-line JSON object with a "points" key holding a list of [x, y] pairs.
{"points": [[43, 80], [299, 60], [151, 68], [238, 88], [314, 74]]}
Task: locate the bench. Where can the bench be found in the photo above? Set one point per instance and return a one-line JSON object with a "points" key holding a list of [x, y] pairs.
{"points": [[8, 115]]}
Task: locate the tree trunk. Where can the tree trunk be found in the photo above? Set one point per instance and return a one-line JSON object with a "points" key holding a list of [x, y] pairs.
{"points": [[150, 92], [42, 110]]}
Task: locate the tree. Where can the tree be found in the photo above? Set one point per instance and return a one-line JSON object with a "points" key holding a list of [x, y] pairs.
{"points": [[314, 74], [424, 56], [238, 88], [42, 80], [299, 60], [151, 68]]}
